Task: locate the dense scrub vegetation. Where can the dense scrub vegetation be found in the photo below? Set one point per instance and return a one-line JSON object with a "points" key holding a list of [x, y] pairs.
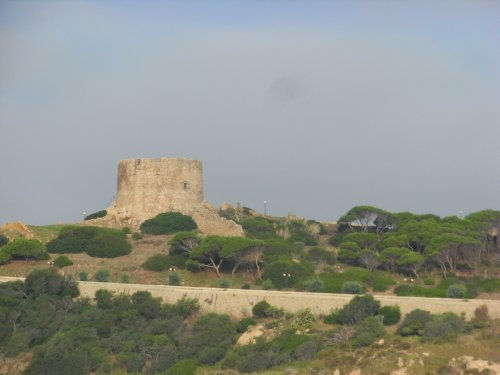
{"points": [[95, 241], [167, 223], [139, 334], [21, 248], [135, 333]]}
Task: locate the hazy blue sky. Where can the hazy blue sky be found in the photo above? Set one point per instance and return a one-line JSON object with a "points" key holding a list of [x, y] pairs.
{"points": [[314, 106]]}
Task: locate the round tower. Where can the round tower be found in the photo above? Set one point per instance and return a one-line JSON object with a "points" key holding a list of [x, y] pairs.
{"points": [[147, 187]]}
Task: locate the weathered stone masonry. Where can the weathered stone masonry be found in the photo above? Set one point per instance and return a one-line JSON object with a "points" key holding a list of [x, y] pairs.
{"points": [[147, 187]]}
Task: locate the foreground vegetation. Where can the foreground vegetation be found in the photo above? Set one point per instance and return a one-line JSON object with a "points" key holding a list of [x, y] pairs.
{"points": [[118, 334]]}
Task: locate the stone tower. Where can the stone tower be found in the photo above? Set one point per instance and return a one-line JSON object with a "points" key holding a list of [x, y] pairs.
{"points": [[147, 187]]}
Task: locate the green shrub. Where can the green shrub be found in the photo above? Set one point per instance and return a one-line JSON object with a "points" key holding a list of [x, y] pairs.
{"points": [[102, 275], [352, 287], [183, 367], [48, 281], [22, 248], [259, 227], [428, 281], [126, 230], [359, 308], [245, 286], [125, 278], [160, 262], [167, 223], [306, 351], [174, 279], [403, 290], [260, 309], [391, 314], [243, 324], [84, 276], [456, 291], [314, 285], [367, 331], [303, 319], [136, 236], [276, 248], [4, 257], [318, 255], [62, 261], [73, 239], [303, 237], [108, 246], [267, 284], [443, 327], [414, 323], [133, 362], [96, 215], [3, 240], [298, 272], [224, 284]]}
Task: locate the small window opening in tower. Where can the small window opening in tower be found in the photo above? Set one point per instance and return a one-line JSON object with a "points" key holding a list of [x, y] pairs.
{"points": [[185, 185]]}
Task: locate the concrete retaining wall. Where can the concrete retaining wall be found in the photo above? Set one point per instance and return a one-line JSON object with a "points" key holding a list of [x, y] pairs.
{"points": [[238, 302]]}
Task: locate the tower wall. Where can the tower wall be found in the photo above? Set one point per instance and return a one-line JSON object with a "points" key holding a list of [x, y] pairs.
{"points": [[147, 187]]}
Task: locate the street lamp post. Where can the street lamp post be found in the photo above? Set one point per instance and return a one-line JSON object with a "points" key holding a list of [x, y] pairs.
{"points": [[286, 276], [265, 208], [84, 214]]}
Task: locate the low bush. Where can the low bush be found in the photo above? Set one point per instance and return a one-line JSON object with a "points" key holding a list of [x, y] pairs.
{"points": [[367, 331], [160, 262], [298, 272], [267, 285], [259, 227], [243, 324], [245, 286], [304, 237], [3, 240], [314, 285], [174, 279], [22, 248], [125, 278], [379, 281], [5, 257], [352, 287], [95, 241], [224, 284], [481, 314], [456, 291], [359, 308], [428, 281], [260, 309], [183, 367], [167, 223], [443, 327], [303, 319], [84, 276], [136, 236], [306, 351], [391, 315], [318, 256], [102, 275], [96, 215], [276, 248], [108, 246], [414, 323], [403, 290], [48, 281], [62, 261]]}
